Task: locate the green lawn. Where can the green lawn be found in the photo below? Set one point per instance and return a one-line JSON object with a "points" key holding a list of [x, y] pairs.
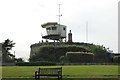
{"points": [[68, 71]]}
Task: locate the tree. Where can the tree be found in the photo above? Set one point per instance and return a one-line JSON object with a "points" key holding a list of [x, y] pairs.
{"points": [[7, 45], [19, 60]]}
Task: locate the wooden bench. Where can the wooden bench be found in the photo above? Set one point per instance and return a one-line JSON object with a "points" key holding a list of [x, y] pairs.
{"points": [[54, 72]]}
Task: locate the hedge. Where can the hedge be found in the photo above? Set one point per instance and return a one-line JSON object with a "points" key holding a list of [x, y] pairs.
{"points": [[41, 63]]}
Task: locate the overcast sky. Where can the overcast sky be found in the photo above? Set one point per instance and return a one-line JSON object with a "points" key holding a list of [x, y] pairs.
{"points": [[20, 21]]}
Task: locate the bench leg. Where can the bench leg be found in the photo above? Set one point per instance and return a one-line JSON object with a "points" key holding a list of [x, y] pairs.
{"points": [[58, 78], [61, 77], [36, 75]]}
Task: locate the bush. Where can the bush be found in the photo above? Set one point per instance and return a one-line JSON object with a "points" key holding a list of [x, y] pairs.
{"points": [[63, 59], [41, 63], [116, 59]]}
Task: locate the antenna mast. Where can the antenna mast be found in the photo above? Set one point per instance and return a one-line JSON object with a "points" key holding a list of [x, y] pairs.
{"points": [[59, 15], [86, 31]]}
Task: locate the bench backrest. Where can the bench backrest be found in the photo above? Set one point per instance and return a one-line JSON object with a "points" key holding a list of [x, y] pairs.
{"points": [[50, 71]]}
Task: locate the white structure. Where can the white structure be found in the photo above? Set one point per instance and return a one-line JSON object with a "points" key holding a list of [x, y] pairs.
{"points": [[54, 31], [119, 27]]}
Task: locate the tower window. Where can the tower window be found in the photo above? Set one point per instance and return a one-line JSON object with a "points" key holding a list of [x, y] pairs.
{"points": [[48, 29], [64, 28], [54, 28]]}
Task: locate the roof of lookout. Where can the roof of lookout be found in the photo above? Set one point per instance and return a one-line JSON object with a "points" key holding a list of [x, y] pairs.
{"points": [[48, 24]]}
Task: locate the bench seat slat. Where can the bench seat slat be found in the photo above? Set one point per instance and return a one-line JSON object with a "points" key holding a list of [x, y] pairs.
{"points": [[48, 75]]}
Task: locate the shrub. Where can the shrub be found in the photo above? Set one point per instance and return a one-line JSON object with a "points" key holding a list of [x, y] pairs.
{"points": [[116, 59], [41, 63]]}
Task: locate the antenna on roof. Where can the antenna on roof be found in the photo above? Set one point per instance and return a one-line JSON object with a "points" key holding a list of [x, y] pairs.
{"points": [[86, 31], [59, 15]]}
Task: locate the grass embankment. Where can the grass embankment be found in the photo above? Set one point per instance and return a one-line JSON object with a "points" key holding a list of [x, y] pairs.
{"points": [[68, 71]]}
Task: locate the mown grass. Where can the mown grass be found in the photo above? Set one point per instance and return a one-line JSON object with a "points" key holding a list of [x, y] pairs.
{"points": [[68, 71], [63, 79]]}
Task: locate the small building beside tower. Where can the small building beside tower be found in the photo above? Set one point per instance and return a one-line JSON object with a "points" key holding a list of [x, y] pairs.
{"points": [[70, 37]]}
